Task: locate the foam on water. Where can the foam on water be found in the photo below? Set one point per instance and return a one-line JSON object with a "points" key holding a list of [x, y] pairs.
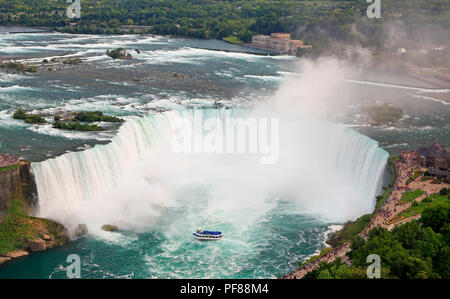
{"points": [[116, 176], [16, 88], [418, 96], [11, 77], [418, 89], [192, 55], [265, 78]]}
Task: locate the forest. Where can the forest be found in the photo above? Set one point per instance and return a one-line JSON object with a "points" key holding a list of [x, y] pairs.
{"points": [[320, 23], [415, 250]]}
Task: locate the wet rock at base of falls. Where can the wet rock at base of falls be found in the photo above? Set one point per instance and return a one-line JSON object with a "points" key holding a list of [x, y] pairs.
{"points": [[109, 227], [4, 259], [46, 237], [16, 254], [81, 230], [37, 245]]}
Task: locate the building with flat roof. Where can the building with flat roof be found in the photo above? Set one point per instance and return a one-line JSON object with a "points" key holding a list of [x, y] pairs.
{"points": [[277, 42]]}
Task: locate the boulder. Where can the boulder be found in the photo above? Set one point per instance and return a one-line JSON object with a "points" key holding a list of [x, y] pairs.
{"points": [[46, 237], [16, 254], [109, 227], [4, 259], [36, 245], [81, 230]]}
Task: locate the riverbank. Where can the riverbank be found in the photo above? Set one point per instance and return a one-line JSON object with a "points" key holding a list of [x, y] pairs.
{"points": [[23, 29], [389, 206], [20, 233], [339, 242]]}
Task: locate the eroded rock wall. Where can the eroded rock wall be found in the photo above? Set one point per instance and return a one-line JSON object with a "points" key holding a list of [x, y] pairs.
{"points": [[18, 183]]}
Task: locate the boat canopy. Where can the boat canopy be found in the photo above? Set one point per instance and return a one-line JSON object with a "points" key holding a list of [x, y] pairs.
{"points": [[206, 232]]}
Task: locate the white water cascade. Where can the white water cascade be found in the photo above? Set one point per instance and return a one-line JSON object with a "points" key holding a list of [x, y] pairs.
{"points": [[327, 169]]}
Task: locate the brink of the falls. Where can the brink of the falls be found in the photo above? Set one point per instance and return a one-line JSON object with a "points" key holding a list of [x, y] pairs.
{"points": [[326, 169]]}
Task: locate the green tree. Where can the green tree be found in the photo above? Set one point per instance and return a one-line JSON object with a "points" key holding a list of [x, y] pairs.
{"points": [[436, 216]]}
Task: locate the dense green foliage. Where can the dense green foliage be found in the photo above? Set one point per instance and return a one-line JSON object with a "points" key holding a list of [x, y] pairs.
{"points": [[318, 22], [350, 231], [415, 250], [71, 125], [11, 234], [20, 114], [336, 270], [95, 116], [35, 119], [16, 228], [315, 257], [437, 217], [28, 118], [444, 191], [418, 207], [76, 126], [233, 39]]}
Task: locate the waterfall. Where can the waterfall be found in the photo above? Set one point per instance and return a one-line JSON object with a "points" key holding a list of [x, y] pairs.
{"points": [[329, 170], [357, 157], [65, 181]]}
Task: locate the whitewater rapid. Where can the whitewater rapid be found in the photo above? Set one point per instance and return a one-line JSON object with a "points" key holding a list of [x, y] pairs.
{"points": [[329, 171]]}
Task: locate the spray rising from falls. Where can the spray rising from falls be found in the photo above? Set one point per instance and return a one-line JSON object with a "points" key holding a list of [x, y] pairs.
{"points": [[324, 169]]}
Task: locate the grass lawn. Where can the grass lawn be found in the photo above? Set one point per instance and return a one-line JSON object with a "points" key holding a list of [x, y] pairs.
{"points": [[12, 230], [8, 168], [427, 178], [315, 257], [233, 39], [411, 195], [350, 230], [353, 229], [16, 228], [418, 209], [425, 203]]}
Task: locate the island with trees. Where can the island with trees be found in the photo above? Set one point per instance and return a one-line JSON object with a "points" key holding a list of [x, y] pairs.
{"points": [[382, 114], [76, 121]]}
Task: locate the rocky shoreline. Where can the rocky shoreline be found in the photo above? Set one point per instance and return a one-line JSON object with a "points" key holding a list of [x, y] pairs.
{"points": [[50, 235], [61, 67], [20, 233]]}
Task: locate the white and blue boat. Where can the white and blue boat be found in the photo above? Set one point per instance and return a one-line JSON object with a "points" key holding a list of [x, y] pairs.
{"points": [[205, 235]]}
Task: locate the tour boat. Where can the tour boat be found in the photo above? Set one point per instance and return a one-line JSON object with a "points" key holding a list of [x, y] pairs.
{"points": [[205, 235]]}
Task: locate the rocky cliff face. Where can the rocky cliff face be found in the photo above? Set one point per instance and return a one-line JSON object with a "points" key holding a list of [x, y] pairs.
{"points": [[21, 233], [18, 183]]}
